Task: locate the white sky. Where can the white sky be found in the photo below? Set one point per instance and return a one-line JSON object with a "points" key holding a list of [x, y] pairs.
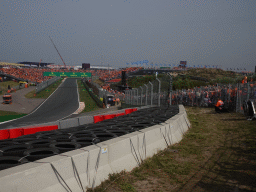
{"points": [[116, 32]]}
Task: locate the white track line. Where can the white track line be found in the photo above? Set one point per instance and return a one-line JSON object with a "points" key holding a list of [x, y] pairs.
{"points": [[36, 108]]}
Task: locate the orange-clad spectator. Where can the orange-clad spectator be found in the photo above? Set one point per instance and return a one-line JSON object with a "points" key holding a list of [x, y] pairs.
{"points": [[219, 106]]}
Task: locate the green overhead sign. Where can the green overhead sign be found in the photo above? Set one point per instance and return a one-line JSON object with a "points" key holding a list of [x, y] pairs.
{"points": [[67, 74]]}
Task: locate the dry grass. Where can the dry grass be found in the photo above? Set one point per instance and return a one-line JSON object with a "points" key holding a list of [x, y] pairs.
{"points": [[217, 154], [211, 74], [4, 86]]}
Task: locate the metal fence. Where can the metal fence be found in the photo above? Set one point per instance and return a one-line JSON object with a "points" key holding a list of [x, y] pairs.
{"points": [[45, 84], [153, 93], [233, 95], [157, 93]]}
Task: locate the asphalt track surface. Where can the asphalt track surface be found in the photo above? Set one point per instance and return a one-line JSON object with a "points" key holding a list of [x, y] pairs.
{"points": [[62, 103]]}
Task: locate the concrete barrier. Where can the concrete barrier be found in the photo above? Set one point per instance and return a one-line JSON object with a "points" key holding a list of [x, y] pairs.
{"points": [[68, 123], [89, 166]]}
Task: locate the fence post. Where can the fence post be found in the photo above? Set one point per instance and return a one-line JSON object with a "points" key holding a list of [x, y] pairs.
{"points": [[237, 94], [146, 102], [137, 96], [151, 102], [170, 91], [248, 92], [141, 94], [125, 98], [159, 89], [130, 94]]}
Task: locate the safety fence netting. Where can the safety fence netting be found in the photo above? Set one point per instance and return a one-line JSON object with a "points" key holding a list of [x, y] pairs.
{"points": [[158, 93], [233, 95], [152, 93]]}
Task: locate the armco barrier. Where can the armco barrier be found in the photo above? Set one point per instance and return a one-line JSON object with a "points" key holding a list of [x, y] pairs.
{"points": [[89, 166]]}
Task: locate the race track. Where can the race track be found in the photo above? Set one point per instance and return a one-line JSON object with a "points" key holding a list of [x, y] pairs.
{"points": [[62, 103]]}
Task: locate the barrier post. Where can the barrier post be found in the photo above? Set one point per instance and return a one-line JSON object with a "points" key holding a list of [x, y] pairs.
{"points": [[248, 92], [159, 89], [151, 102], [141, 95], [137, 96], [237, 98], [146, 102]]}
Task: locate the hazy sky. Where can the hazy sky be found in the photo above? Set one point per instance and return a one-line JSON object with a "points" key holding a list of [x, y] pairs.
{"points": [[117, 32]]}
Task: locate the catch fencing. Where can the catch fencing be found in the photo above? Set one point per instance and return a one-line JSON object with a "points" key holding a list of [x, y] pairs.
{"points": [[153, 93], [102, 93], [45, 84], [233, 95]]}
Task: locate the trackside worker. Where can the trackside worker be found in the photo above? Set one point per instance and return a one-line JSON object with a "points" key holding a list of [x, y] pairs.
{"points": [[219, 106]]}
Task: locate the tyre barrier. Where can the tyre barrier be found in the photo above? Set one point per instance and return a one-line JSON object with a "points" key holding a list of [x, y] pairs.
{"points": [[41, 143], [40, 153], [65, 146], [122, 137], [105, 136], [7, 142], [11, 161], [118, 132], [15, 150], [62, 138], [23, 140], [86, 140]]}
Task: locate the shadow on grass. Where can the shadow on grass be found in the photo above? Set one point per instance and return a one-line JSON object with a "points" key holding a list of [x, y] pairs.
{"points": [[231, 167]]}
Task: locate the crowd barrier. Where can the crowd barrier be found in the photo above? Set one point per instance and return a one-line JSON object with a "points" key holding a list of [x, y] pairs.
{"points": [[89, 166]]}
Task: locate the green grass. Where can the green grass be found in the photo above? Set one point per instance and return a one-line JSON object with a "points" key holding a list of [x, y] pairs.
{"points": [[46, 92], [219, 149], [85, 97], [7, 115]]}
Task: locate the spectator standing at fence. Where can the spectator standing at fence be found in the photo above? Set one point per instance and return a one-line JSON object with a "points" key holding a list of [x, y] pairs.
{"points": [[219, 106]]}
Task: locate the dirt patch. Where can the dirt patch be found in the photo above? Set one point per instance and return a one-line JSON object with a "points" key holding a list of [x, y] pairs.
{"points": [[21, 104]]}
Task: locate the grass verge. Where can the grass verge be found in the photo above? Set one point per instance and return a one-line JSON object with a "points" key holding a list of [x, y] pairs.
{"points": [[4, 86], [8, 115], [218, 153], [46, 92], [85, 97]]}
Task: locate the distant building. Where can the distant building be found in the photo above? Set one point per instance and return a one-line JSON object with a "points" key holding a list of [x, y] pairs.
{"points": [[34, 64]]}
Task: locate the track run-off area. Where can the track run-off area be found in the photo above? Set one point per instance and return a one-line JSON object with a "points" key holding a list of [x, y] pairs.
{"points": [[62, 103]]}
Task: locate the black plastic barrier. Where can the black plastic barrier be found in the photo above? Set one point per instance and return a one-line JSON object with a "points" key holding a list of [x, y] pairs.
{"points": [[29, 148]]}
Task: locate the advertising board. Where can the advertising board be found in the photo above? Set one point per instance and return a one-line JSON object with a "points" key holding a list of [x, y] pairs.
{"points": [[67, 74]]}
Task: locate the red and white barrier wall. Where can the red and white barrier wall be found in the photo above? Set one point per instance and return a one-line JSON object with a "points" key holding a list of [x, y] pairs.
{"points": [[17, 132]]}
